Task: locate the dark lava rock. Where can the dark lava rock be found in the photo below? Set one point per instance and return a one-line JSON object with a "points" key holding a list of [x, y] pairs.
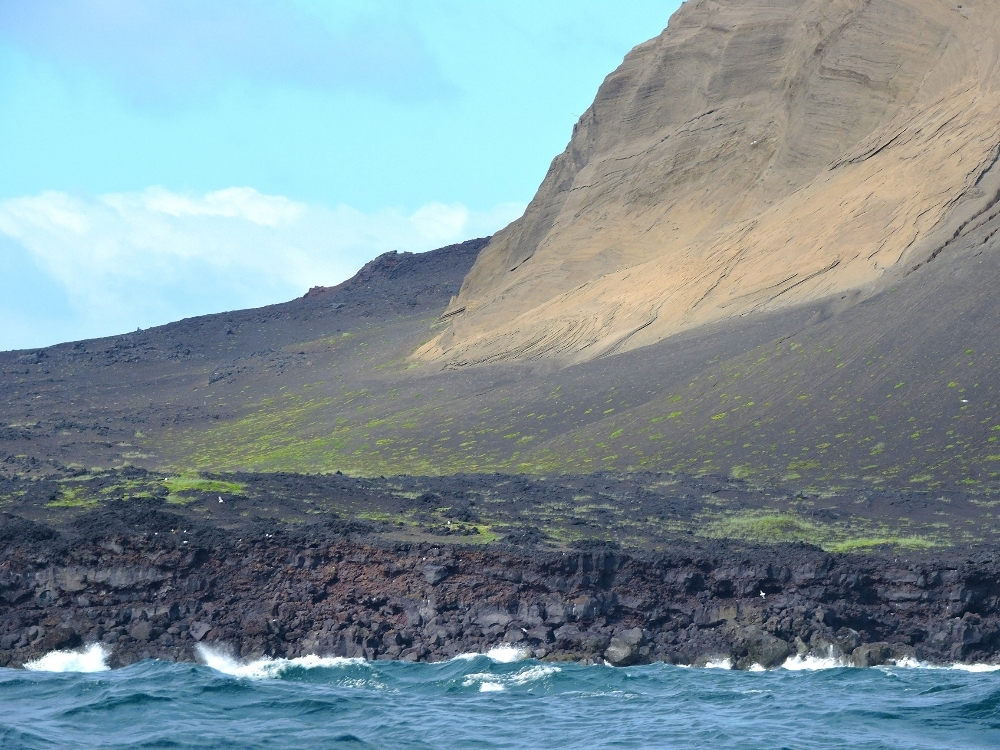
{"points": [[625, 648], [871, 654], [252, 592], [434, 574], [762, 649]]}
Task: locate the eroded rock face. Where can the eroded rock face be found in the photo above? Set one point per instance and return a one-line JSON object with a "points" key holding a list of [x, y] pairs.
{"points": [[142, 597], [755, 155]]}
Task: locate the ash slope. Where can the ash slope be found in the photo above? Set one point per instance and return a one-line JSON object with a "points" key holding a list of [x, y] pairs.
{"points": [[755, 156]]}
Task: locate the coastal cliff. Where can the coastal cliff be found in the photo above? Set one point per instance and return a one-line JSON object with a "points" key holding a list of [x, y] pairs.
{"points": [[150, 584]]}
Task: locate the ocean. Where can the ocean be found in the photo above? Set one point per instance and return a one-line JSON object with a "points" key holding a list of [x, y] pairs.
{"points": [[497, 700]]}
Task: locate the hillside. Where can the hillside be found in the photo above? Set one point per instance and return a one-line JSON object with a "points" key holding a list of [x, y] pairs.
{"points": [[888, 385], [753, 157]]}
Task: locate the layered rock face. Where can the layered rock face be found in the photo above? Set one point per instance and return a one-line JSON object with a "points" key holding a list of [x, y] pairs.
{"points": [[753, 156], [149, 596]]}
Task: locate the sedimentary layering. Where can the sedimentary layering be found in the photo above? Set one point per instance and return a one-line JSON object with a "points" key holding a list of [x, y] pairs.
{"points": [[754, 156], [146, 583]]}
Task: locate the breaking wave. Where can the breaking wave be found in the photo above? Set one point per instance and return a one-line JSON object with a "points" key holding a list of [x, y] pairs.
{"points": [[268, 668], [500, 654], [495, 683], [91, 659], [324, 703]]}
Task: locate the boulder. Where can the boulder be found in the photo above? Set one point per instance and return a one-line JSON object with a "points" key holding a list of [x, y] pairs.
{"points": [[624, 648], [762, 649], [142, 631], [871, 654], [434, 574], [60, 638]]}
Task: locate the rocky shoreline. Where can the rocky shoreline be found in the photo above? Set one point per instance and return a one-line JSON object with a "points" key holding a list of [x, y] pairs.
{"points": [[150, 586]]}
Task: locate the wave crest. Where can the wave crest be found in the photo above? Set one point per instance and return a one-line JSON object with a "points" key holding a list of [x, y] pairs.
{"points": [[91, 659], [489, 683], [268, 668]]}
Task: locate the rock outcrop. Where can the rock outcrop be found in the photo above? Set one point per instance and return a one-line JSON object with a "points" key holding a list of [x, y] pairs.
{"points": [[755, 155], [161, 595]]}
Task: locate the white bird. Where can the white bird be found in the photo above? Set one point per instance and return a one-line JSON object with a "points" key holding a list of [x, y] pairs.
{"points": [[762, 594]]}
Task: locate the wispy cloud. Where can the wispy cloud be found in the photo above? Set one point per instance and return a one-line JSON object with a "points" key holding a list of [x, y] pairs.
{"points": [[137, 259], [165, 53]]}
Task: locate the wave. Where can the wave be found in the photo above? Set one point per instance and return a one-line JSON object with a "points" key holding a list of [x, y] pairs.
{"points": [[719, 664], [815, 663], [910, 663], [268, 668], [500, 654], [494, 683], [91, 659]]}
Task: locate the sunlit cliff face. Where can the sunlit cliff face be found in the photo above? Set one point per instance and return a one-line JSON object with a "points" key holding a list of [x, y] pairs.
{"points": [[749, 158]]}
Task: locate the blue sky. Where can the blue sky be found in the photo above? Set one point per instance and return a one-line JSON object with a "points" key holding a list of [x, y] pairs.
{"points": [[166, 158]]}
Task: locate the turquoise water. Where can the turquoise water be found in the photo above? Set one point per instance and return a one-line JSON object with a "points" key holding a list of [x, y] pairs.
{"points": [[482, 702]]}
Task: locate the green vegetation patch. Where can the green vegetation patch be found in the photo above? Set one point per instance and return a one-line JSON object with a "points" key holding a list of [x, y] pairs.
{"points": [[771, 528], [73, 497], [184, 489], [766, 528], [866, 543]]}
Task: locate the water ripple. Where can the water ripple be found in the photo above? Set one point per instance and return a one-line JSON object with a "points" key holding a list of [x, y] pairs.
{"points": [[495, 704]]}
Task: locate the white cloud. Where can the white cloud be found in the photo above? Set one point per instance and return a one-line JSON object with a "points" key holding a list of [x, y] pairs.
{"points": [[231, 203], [138, 259]]}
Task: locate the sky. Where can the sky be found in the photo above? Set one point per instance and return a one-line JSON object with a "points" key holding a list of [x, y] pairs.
{"points": [[167, 158]]}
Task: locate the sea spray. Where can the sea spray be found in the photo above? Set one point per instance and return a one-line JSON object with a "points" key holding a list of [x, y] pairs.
{"points": [[91, 659], [267, 668]]}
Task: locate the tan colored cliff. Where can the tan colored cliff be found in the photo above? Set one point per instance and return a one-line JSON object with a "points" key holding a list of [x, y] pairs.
{"points": [[757, 154]]}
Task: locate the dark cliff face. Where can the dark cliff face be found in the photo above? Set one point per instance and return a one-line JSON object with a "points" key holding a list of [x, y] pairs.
{"points": [[155, 585]]}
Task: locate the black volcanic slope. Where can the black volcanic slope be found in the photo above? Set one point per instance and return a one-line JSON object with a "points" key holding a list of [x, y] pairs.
{"points": [[95, 403], [900, 389], [842, 406]]}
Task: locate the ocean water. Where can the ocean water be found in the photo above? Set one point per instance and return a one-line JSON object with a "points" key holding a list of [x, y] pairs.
{"points": [[491, 701]]}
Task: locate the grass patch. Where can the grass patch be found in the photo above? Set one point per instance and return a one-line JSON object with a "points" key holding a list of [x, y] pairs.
{"points": [[72, 497], [771, 528], [184, 489], [198, 484], [766, 528], [866, 543]]}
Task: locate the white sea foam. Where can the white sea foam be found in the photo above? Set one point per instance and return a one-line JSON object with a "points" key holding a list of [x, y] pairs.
{"points": [[533, 674], [979, 668], [507, 654], [268, 668], [719, 664], [911, 663], [504, 654], [91, 659], [812, 663], [496, 682]]}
